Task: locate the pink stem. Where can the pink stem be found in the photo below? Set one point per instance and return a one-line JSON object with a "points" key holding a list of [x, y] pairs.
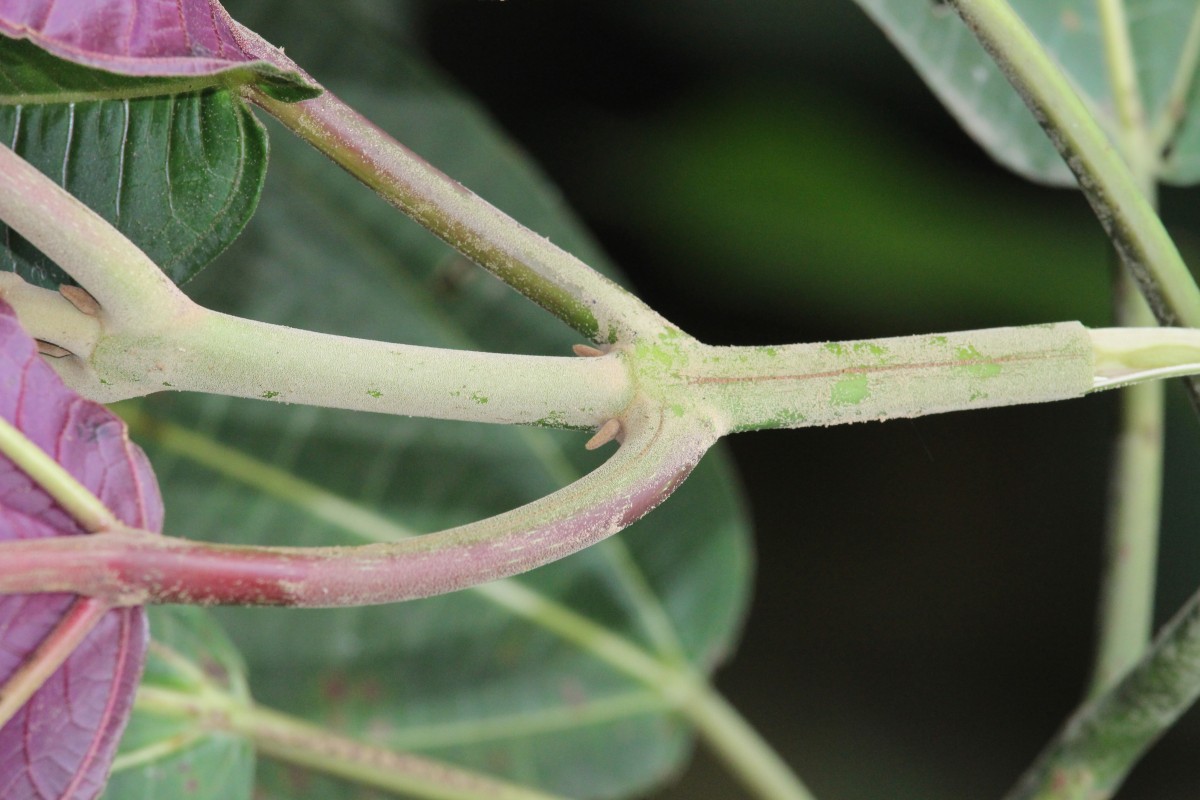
{"points": [[132, 567]]}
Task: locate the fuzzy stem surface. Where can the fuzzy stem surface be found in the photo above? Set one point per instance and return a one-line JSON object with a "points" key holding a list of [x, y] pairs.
{"points": [[557, 281]]}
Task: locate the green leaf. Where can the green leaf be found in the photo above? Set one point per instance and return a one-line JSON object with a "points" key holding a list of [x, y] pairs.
{"points": [[463, 677], [180, 176], [31, 76], [1164, 38], [169, 756]]}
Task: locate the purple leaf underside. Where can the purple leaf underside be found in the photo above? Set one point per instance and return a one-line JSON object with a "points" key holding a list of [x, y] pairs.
{"points": [[61, 743], [131, 37]]}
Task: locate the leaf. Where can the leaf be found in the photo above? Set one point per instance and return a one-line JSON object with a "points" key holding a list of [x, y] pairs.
{"points": [[167, 756], [60, 743], [964, 77], [462, 677], [146, 38], [180, 176], [175, 161]]}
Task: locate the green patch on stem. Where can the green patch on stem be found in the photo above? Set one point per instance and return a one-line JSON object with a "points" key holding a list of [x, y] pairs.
{"points": [[837, 348], [975, 363], [479, 398], [375, 393], [871, 348], [850, 391], [269, 395]]}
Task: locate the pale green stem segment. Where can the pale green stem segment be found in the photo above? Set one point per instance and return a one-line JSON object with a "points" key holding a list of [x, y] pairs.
{"points": [[1102, 741], [128, 285], [529, 263], [802, 385], [1126, 610], [1127, 95], [221, 354], [294, 741], [1112, 189], [146, 336]]}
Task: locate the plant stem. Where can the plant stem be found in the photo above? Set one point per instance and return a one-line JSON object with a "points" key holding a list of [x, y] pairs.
{"points": [[801, 385], [147, 336], [1111, 188], [132, 567], [666, 675], [123, 279], [742, 749], [288, 739], [1101, 742], [1126, 610], [294, 741], [217, 353], [554, 279]]}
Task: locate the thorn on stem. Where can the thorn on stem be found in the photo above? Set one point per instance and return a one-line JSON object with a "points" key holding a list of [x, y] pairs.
{"points": [[607, 432], [52, 350], [586, 350], [80, 298]]}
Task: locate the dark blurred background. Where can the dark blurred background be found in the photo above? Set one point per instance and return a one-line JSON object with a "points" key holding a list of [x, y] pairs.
{"points": [[773, 171]]}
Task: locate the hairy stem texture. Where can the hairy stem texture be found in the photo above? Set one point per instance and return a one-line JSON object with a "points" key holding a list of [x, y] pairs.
{"points": [[545, 273]]}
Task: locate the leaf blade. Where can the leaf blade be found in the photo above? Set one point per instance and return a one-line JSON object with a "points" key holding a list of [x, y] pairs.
{"points": [[43, 751]]}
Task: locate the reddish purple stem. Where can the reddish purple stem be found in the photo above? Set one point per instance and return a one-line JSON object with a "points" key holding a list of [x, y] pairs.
{"points": [[131, 567]]}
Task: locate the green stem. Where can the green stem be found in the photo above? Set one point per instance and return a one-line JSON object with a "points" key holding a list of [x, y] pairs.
{"points": [[1126, 610], [1102, 741], [1112, 189], [1127, 95], [529, 263], [838, 382], [680, 688], [742, 749], [146, 336], [293, 741], [128, 285], [217, 353]]}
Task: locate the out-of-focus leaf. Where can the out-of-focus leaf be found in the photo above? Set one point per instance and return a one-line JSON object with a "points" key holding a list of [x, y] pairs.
{"points": [[954, 64], [165, 756], [61, 742], [458, 677]]}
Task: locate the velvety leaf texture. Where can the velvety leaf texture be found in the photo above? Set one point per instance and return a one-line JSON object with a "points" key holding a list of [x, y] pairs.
{"points": [[60, 744], [133, 37]]}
